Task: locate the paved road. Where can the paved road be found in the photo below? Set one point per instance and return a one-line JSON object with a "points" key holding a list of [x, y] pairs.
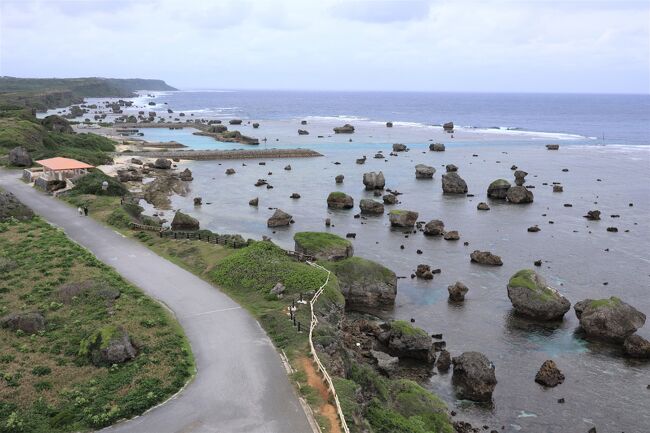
{"points": [[241, 384]]}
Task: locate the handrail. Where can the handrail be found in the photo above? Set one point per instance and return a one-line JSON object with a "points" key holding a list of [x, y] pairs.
{"points": [[321, 367]]}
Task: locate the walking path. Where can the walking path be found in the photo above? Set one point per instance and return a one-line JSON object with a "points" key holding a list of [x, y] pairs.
{"points": [[241, 385]]}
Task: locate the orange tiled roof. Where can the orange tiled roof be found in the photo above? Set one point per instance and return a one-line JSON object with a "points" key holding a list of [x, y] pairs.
{"points": [[60, 163]]}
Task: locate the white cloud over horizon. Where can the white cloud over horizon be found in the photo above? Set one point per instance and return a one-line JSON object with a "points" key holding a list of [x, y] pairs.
{"points": [[415, 45]]}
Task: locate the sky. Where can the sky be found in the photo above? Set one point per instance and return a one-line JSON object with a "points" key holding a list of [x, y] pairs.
{"points": [[402, 45]]}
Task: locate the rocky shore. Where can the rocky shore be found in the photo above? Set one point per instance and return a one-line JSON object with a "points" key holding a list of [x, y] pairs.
{"points": [[227, 154]]}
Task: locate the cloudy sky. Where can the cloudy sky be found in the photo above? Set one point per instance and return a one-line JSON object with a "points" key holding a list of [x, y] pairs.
{"points": [[428, 45]]}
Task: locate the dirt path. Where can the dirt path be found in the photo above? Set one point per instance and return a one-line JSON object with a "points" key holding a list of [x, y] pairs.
{"points": [[314, 380]]}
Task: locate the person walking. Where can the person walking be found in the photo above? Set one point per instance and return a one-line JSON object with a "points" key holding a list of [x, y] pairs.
{"points": [[86, 210], [81, 211]]}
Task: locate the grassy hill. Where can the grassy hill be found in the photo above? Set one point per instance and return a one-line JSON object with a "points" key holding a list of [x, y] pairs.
{"points": [[44, 93]]}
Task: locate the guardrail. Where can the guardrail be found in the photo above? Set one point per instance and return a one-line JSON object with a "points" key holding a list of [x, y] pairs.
{"points": [[321, 367]]}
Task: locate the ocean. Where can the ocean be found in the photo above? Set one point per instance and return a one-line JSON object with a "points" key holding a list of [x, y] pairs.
{"points": [[603, 163]]}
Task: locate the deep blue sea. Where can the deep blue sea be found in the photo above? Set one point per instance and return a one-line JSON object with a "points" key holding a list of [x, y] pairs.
{"points": [[608, 119]]}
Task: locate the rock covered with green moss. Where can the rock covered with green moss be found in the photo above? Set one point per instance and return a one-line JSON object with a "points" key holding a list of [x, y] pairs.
{"points": [[183, 221], [57, 123], [402, 218], [407, 341], [532, 297], [608, 319], [339, 200], [366, 285], [498, 189], [323, 246], [107, 346]]}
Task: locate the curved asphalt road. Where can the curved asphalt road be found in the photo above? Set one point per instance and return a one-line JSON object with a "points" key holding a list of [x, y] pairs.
{"points": [[241, 385]]}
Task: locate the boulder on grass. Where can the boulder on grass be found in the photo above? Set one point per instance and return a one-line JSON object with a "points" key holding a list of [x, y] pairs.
{"points": [[11, 207], [29, 323], [107, 346], [19, 157]]}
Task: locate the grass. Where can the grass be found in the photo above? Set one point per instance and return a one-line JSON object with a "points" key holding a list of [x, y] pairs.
{"points": [[406, 329], [337, 195], [526, 278], [46, 382], [248, 274], [611, 302], [315, 242], [358, 268], [398, 212]]}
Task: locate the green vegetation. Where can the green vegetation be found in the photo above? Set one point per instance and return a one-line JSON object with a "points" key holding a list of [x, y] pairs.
{"points": [[398, 212], [46, 382], [44, 93], [92, 184], [358, 268], [611, 302], [18, 130], [406, 329], [398, 405], [316, 242], [337, 195], [526, 278]]}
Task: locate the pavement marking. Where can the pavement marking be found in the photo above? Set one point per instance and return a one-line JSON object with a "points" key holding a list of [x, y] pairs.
{"points": [[213, 311]]}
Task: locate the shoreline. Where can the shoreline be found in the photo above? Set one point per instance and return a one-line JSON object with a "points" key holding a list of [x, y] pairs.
{"points": [[225, 154]]}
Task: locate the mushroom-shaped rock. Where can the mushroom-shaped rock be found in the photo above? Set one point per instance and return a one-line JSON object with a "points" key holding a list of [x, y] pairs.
{"points": [[519, 195], [452, 183], [279, 219], [374, 180], [498, 189], [457, 291], [549, 375], [402, 218], [424, 171], [532, 297], [366, 285], [19, 157], [339, 200], [437, 147], [636, 346], [399, 147], [473, 377], [608, 319], [162, 163], [520, 177], [371, 207], [183, 222], [408, 341], [323, 246], [107, 346], [434, 228], [345, 129], [29, 323], [486, 258]]}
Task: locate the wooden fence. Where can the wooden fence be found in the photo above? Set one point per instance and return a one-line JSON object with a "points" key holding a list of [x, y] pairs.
{"points": [[321, 367], [226, 240]]}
